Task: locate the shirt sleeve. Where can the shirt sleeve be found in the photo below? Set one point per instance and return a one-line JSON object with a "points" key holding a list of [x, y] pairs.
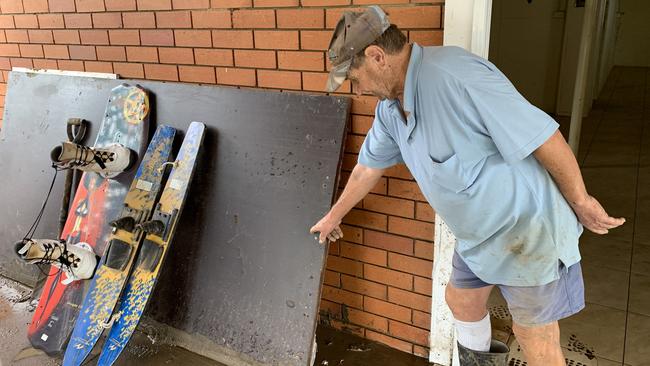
{"points": [[517, 127], [379, 149]]}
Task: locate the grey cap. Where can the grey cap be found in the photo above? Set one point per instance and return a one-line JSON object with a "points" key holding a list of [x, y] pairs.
{"points": [[354, 32]]}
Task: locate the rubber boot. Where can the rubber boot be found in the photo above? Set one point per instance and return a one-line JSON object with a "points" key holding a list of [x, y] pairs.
{"points": [[78, 260], [108, 161], [497, 356]]}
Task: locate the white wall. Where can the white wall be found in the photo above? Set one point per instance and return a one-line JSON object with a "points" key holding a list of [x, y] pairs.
{"points": [[526, 44], [633, 44], [608, 50]]}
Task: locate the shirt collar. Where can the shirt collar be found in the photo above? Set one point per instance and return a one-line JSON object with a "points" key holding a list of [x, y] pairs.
{"points": [[411, 81]]}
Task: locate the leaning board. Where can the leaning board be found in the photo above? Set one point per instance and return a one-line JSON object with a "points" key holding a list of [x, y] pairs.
{"points": [[243, 270]]}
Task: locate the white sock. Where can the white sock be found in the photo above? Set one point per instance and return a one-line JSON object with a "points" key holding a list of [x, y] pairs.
{"points": [[474, 335]]}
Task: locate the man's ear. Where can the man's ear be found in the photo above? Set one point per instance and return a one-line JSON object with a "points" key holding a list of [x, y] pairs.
{"points": [[376, 54]]}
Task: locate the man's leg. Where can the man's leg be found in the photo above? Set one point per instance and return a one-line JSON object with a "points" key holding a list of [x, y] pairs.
{"points": [[540, 344], [472, 322]]}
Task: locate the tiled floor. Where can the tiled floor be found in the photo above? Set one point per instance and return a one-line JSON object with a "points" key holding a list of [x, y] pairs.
{"points": [[615, 160]]}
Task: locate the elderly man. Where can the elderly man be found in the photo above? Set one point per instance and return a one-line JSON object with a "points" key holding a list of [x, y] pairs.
{"points": [[495, 167]]}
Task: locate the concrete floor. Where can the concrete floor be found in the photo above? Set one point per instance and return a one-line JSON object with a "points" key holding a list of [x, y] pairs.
{"points": [[613, 330]]}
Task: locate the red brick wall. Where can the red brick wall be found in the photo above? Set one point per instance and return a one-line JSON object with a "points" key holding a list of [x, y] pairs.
{"points": [[377, 282]]}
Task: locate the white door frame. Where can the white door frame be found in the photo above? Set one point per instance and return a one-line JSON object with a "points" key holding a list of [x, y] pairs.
{"points": [[467, 24]]}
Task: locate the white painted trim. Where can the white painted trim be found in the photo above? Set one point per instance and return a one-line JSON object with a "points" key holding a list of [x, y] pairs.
{"points": [[98, 75], [467, 25]]}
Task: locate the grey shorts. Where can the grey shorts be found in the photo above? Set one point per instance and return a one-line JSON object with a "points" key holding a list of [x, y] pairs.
{"points": [[532, 305]]}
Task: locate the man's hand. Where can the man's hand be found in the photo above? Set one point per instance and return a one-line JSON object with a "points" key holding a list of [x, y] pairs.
{"points": [[593, 216], [327, 228]]}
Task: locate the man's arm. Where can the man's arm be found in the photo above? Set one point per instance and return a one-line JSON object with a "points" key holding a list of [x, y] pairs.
{"points": [[361, 181], [556, 156]]}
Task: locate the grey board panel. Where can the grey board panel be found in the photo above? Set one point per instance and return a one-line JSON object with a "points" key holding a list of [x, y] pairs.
{"points": [[243, 270]]}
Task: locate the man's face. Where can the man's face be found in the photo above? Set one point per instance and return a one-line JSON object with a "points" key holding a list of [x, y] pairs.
{"points": [[368, 79]]}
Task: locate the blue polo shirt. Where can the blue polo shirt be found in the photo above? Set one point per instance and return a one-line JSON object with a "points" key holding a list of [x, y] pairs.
{"points": [[468, 142]]}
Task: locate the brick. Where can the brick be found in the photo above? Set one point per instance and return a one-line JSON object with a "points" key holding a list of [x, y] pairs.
{"points": [[332, 278], [118, 5], [379, 2], [66, 36], [368, 320], [364, 254], [107, 20], [40, 36], [70, 65], [255, 58], [124, 37], [330, 309], [364, 104], [389, 242], [426, 38], [324, 2], [193, 38], [275, 3], [390, 341], [315, 40], [398, 171], [217, 4], [344, 265], [342, 297], [154, 4], [139, 20], [334, 248], [97, 66], [78, 20], [301, 60], [50, 21], [420, 351], [19, 62], [213, 57], [422, 285], [190, 4], [161, 72], [197, 74], [176, 55], [405, 189], [85, 6], [409, 264], [233, 76], [16, 36], [413, 228], [96, 37], [364, 287], [7, 21], [111, 53], [31, 50], [128, 70], [62, 6], [56, 51], [386, 309], [352, 234], [232, 38], [173, 19], [211, 19], [301, 18], [45, 64], [3, 36], [408, 332], [409, 299], [314, 81], [279, 79], [346, 327], [424, 249], [361, 124], [26, 21], [353, 143], [421, 320], [416, 17], [82, 52], [142, 54], [5, 64], [389, 205], [424, 212], [159, 37], [11, 6], [253, 19], [276, 40], [388, 277], [366, 219]]}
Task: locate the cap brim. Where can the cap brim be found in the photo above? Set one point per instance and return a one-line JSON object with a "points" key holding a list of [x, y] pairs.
{"points": [[337, 76]]}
